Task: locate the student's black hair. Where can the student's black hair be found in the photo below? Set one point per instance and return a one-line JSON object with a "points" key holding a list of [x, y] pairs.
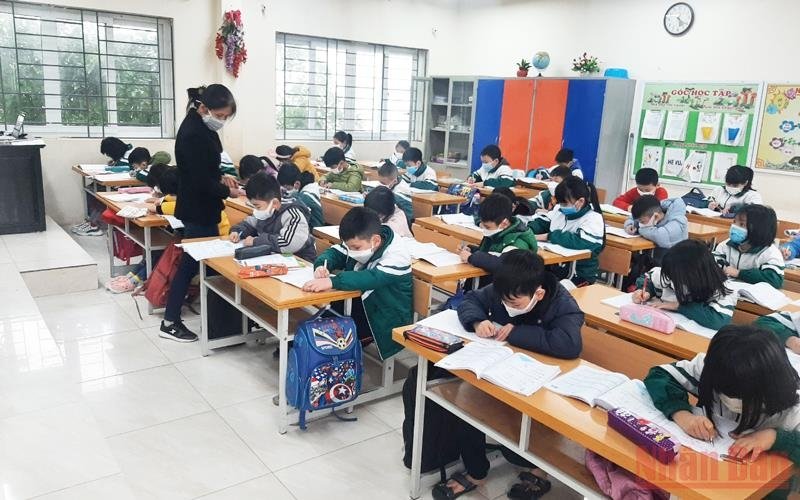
{"points": [[333, 157], [412, 154], [492, 151], [215, 96], [573, 188], [345, 138], [360, 223], [139, 155], [403, 144], [505, 191], [381, 200], [262, 186], [288, 174], [646, 205], [561, 171], [155, 173], [565, 155], [647, 177], [738, 174], [168, 181], [250, 165], [113, 148], [306, 178], [520, 273], [690, 270], [762, 225], [748, 363], [496, 208], [388, 169], [285, 152]]}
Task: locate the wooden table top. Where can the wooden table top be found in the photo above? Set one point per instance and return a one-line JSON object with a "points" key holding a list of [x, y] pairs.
{"points": [[697, 231], [791, 274], [240, 204], [149, 220], [692, 475], [132, 182], [437, 198]]}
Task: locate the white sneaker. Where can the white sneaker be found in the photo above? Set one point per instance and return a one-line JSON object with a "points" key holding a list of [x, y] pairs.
{"points": [[89, 230], [79, 227]]}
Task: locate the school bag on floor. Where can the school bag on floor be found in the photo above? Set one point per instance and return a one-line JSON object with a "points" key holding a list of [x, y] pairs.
{"points": [[156, 288], [124, 248], [325, 366]]}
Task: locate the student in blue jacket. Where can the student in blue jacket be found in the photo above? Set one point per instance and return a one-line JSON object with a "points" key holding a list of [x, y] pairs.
{"points": [[535, 312], [662, 222]]}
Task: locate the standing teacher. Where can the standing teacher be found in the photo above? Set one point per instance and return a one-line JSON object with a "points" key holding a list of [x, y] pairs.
{"points": [[201, 191]]}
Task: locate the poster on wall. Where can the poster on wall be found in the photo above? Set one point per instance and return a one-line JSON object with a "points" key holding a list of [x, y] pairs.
{"points": [[779, 137], [706, 127]]}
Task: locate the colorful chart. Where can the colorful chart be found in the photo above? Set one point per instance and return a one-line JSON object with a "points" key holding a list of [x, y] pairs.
{"points": [[779, 138]]}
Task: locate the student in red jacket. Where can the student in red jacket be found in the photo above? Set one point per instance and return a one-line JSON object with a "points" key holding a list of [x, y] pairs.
{"points": [[646, 183]]}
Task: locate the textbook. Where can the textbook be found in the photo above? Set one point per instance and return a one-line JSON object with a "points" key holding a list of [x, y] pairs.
{"points": [[431, 252], [459, 219], [516, 372], [611, 209], [558, 249], [680, 320], [762, 294], [447, 321], [618, 231]]}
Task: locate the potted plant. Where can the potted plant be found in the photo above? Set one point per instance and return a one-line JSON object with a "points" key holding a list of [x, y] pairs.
{"points": [[522, 68], [586, 65]]}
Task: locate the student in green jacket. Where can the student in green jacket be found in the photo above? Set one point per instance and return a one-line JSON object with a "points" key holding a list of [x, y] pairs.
{"points": [[501, 232], [546, 200], [370, 259], [139, 160], [344, 176]]}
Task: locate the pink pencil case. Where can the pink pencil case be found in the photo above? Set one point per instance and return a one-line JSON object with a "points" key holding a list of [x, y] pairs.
{"points": [[646, 316], [137, 189]]}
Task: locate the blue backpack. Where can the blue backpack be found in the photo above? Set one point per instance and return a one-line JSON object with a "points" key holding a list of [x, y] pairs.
{"points": [[468, 192], [325, 367]]}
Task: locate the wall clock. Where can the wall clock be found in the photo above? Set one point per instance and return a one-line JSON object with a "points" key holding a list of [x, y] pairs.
{"points": [[678, 19]]}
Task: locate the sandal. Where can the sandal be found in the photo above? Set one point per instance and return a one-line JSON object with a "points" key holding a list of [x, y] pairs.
{"points": [[530, 487], [442, 492]]}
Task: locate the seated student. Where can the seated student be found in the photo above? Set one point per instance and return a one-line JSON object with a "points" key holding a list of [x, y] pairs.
{"points": [[785, 326], [791, 249], [420, 175], [521, 207], [545, 200], [281, 225], [690, 282], [389, 176], [576, 223], [646, 183], [536, 313], [371, 258], [662, 222], [300, 156], [302, 187], [396, 158], [344, 176], [750, 254], [250, 165], [139, 160], [382, 201], [117, 152], [344, 141], [737, 191], [494, 170], [745, 377], [564, 158]]}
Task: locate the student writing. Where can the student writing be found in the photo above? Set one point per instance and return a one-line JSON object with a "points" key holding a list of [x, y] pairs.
{"points": [[494, 170], [545, 200], [344, 176], [664, 223], [302, 187], [737, 191], [419, 174]]}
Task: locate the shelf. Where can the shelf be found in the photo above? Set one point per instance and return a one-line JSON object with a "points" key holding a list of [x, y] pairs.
{"points": [[438, 130], [461, 105], [438, 104], [461, 132]]}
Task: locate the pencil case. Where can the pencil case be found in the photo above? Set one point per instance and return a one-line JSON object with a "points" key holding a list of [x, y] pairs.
{"points": [[648, 317], [132, 190], [357, 199], [244, 253], [264, 271], [644, 434], [434, 339]]}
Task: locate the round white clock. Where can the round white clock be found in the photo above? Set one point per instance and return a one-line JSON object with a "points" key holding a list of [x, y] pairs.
{"points": [[678, 19]]}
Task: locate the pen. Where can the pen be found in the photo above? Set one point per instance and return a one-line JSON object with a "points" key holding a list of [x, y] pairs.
{"points": [[644, 288]]}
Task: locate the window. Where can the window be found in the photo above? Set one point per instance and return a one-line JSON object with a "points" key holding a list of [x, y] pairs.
{"points": [[84, 73], [325, 85]]}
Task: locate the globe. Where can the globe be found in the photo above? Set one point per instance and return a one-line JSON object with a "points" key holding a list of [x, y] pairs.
{"points": [[540, 61]]}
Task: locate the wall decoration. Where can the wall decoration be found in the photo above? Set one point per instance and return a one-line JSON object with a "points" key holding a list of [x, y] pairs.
{"points": [[779, 136], [229, 43]]}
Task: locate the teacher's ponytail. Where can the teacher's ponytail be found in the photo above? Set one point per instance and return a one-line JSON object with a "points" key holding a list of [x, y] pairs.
{"points": [[214, 96]]}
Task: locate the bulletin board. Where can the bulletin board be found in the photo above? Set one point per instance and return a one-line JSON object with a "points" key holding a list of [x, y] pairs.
{"points": [[693, 132], [779, 134]]}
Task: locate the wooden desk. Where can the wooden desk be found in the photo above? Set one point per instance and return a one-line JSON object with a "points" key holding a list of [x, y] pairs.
{"points": [[758, 310], [423, 203], [791, 279], [333, 209], [523, 191], [108, 185], [697, 231], [552, 430]]}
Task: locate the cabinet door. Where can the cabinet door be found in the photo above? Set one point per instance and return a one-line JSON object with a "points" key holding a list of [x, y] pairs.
{"points": [[515, 123], [549, 108], [489, 100], [582, 121]]}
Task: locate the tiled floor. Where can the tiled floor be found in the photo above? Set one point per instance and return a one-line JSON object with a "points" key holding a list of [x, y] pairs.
{"points": [[94, 405]]}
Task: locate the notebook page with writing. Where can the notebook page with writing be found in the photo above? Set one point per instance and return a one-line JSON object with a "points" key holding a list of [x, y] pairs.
{"points": [[475, 357], [447, 321], [618, 231], [707, 212], [521, 374], [611, 209], [560, 250], [297, 277], [762, 294], [586, 383]]}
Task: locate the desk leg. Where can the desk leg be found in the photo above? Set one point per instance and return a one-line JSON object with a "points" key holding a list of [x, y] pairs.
{"points": [[110, 245], [283, 337], [419, 417], [148, 263], [203, 310]]}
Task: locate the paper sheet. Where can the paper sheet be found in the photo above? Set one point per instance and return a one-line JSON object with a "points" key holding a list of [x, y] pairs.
{"points": [[447, 321], [652, 124], [443, 258], [564, 251], [174, 222], [329, 230], [618, 231], [680, 320], [275, 258], [128, 197], [121, 176], [707, 128], [370, 184], [131, 212], [651, 157], [521, 373], [586, 383], [200, 250], [675, 129], [611, 209], [463, 220], [476, 357], [674, 158], [298, 276], [734, 129], [722, 162], [695, 167], [414, 190], [793, 263], [703, 211], [93, 169]]}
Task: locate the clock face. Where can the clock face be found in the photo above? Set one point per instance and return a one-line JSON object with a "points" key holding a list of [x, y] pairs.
{"points": [[678, 19]]}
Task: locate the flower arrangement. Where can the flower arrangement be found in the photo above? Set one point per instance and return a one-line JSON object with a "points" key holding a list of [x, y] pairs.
{"points": [[586, 64], [230, 42], [523, 67]]}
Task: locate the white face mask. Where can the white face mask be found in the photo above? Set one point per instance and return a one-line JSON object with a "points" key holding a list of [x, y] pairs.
{"points": [[733, 191], [732, 404], [518, 312], [212, 122], [490, 232], [644, 193], [488, 166], [263, 214], [361, 256], [650, 222]]}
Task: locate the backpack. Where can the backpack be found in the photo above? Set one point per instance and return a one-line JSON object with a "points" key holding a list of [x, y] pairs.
{"points": [[695, 198], [468, 207], [325, 367], [124, 248], [156, 288]]}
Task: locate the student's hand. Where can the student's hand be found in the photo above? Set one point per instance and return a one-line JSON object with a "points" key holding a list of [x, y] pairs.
{"points": [[248, 242], [318, 285], [730, 271], [322, 272], [484, 329], [230, 181], [753, 444], [725, 211], [503, 332], [151, 207], [542, 237], [470, 180], [234, 237], [793, 344], [464, 253], [152, 200], [640, 297], [713, 205], [697, 426], [630, 207], [786, 252], [631, 229], [538, 176], [667, 306]]}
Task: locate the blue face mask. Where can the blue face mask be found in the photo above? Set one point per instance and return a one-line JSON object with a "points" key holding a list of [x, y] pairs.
{"points": [[411, 170], [737, 234], [568, 210]]}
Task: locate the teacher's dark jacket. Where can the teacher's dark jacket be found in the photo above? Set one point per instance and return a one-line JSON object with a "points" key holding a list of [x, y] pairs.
{"points": [[201, 196]]}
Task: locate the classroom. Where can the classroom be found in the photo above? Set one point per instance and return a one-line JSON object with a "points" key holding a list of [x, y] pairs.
{"points": [[391, 249]]}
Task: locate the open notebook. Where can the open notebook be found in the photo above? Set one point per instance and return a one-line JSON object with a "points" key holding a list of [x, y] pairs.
{"points": [[447, 321], [610, 390], [680, 320], [618, 231], [611, 209], [431, 252], [459, 220], [703, 211], [558, 249], [501, 366], [762, 294], [272, 259]]}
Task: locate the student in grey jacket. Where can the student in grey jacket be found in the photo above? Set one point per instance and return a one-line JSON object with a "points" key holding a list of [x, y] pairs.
{"points": [[664, 223]]}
